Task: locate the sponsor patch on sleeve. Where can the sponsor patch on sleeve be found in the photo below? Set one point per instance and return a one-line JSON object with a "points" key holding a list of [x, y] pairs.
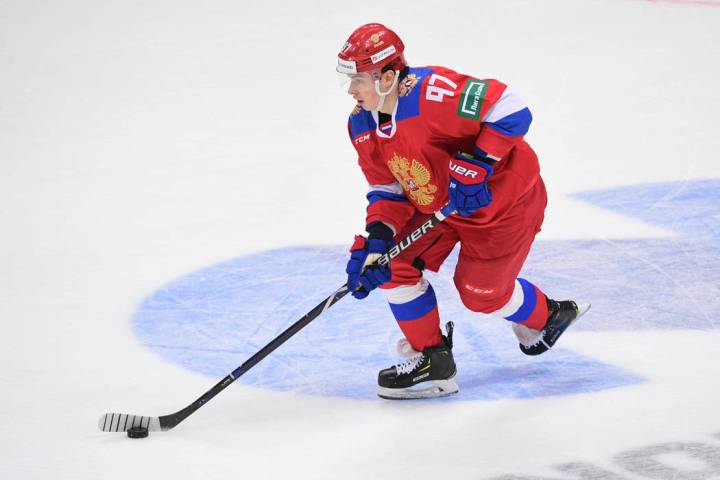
{"points": [[471, 99]]}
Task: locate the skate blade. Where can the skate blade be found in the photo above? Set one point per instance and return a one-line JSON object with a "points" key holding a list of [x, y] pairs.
{"points": [[438, 388], [582, 310]]}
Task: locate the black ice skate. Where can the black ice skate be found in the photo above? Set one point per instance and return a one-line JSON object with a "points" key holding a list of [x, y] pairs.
{"points": [[428, 374], [561, 314]]}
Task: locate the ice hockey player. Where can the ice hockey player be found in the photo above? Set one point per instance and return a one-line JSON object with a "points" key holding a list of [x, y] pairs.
{"points": [[429, 138]]}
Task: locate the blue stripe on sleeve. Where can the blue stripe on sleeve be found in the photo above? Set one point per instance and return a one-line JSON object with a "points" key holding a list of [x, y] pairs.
{"points": [[416, 308], [376, 196], [529, 300], [513, 125]]}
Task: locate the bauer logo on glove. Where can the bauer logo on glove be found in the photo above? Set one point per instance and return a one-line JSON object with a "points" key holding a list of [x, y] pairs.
{"points": [[466, 171]]}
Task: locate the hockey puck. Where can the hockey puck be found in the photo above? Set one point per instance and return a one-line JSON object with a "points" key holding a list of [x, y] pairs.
{"points": [[138, 432]]}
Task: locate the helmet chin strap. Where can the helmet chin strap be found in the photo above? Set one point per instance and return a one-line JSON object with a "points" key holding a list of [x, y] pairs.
{"points": [[385, 94]]}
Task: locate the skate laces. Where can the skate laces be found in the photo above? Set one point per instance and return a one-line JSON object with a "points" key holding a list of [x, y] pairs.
{"points": [[409, 365]]}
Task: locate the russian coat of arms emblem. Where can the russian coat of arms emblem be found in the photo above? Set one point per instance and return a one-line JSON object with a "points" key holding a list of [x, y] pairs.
{"points": [[415, 179]]}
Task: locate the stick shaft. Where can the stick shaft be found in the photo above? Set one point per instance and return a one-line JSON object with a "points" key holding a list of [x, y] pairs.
{"points": [[169, 421]]}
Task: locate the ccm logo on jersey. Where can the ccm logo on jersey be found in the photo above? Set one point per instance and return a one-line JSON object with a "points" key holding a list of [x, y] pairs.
{"points": [[362, 138], [462, 171]]}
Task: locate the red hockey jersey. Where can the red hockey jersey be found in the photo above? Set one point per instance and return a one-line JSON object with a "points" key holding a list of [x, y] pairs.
{"points": [[440, 112]]}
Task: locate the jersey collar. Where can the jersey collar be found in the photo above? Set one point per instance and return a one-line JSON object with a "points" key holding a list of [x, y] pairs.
{"points": [[388, 133]]}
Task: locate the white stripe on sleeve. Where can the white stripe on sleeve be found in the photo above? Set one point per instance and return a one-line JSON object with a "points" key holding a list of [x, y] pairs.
{"points": [[508, 104]]}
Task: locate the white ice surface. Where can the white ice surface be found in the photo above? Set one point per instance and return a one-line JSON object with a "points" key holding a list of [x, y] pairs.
{"points": [[140, 141]]}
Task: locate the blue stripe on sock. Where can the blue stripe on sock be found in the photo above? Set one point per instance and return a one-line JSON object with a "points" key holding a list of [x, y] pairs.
{"points": [[416, 308], [528, 305]]}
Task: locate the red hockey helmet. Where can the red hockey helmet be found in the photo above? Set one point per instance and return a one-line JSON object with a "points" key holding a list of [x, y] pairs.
{"points": [[370, 48]]}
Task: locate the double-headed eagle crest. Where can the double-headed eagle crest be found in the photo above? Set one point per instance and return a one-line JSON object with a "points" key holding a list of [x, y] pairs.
{"points": [[414, 178], [407, 85]]}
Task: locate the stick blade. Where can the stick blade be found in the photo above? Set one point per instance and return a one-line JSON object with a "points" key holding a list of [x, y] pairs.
{"points": [[122, 422]]}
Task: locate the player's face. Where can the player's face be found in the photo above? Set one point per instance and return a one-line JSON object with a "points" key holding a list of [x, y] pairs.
{"points": [[362, 89]]}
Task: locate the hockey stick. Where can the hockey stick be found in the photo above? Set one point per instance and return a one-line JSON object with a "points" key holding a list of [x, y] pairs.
{"points": [[120, 422]]}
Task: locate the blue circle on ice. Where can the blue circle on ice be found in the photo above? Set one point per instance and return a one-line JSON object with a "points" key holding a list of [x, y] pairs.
{"points": [[212, 320]]}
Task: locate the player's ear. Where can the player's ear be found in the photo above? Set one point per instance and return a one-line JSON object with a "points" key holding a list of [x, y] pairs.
{"points": [[387, 79]]}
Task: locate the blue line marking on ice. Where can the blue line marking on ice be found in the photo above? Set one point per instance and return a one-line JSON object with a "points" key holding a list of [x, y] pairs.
{"points": [[212, 320]]}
